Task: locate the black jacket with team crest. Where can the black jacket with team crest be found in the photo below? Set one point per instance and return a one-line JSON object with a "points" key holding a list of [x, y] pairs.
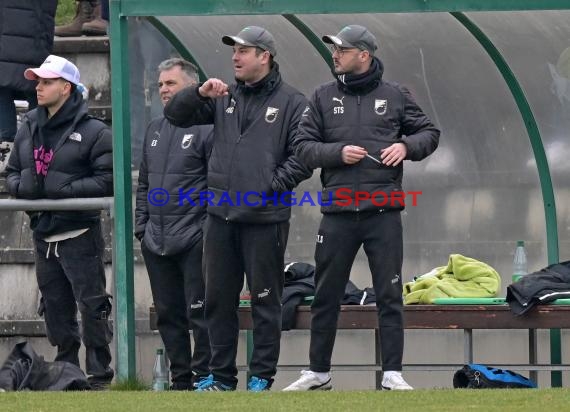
{"points": [[174, 161], [374, 120], [253, 153]]}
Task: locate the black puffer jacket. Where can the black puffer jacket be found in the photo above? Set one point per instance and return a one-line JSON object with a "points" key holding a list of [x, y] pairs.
{"points": [[82, 166], [26, 39], [254, 131], [374, 119], [173, 159]]}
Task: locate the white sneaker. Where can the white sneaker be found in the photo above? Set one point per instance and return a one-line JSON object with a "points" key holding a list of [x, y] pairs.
{"points": [[394, 381], [309, 381]]}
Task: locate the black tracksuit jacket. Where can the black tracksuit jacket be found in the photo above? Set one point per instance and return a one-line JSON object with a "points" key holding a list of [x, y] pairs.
{"points": [[174, 159], [337, 117], [254, 134]]}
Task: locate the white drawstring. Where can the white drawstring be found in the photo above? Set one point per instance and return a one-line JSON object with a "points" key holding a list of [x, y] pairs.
{"points": [[363, 298], [54, 251]]}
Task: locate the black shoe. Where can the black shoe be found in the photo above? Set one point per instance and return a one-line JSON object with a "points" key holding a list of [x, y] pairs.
{"points": [[182, 386], [99, 385]]}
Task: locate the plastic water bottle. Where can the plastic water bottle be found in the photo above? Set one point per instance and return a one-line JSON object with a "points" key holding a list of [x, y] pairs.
{"points": [[519, 263], [160, 372]]}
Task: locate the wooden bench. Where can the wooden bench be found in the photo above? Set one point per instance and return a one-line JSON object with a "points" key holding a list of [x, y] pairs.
{"points": [[454, 317]]}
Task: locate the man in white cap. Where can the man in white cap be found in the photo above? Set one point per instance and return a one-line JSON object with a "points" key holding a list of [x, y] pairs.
{"points": [[255, 122], [359, 129], [62, 152]]}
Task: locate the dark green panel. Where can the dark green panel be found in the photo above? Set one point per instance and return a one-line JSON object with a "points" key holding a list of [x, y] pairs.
{"points": [[218, 7], [122, 180]]}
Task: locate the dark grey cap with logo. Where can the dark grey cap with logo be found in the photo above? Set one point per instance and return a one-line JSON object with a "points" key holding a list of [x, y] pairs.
{"points": [[253, 36], [353, 36]]}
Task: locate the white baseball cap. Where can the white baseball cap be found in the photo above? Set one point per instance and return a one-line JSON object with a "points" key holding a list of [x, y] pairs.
{"points": [[54, 67]]}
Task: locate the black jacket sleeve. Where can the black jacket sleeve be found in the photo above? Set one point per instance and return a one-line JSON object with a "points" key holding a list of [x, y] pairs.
{"points": [[141, 205], [100, 182], [20, 180], [187, 108], [292, 171], [14, 170], [310, 147], [420, 136]]}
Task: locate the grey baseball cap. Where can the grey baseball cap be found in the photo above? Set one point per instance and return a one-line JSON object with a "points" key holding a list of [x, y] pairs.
{"points": [[253, 36], [353, 36]]}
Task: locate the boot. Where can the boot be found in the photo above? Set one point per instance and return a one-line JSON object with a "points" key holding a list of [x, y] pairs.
{"points": [[83, 14], [97, 26]]}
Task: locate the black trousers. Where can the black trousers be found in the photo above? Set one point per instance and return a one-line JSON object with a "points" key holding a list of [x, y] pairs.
{"points": [[177, 288], [230, 249], [339, 238], [72, 275]]}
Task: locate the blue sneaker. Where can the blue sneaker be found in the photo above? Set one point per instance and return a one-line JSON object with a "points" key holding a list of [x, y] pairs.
{"points": [[256, 384], [204, 381], [211, 385]]}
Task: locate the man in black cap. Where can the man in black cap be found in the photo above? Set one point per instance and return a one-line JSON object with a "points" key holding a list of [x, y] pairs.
{"points": [[359, 129], [255, 122]]}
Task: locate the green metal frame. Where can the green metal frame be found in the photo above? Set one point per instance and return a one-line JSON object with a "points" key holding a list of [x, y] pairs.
{"points": [[312, 38], [177, 44], [220, 7], [123, 240], [120, 9]]}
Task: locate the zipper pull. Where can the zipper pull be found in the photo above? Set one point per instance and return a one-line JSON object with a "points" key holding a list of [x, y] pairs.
{"points": [[358, 100]]}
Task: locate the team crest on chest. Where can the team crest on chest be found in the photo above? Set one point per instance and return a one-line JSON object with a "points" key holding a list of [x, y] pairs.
{"points": [[271, 114], [380, 106], [187, 141], [231, 107]]}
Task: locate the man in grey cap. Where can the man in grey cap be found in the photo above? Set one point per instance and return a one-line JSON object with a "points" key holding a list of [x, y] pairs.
{"points": [[359, 129], [255, 122]]}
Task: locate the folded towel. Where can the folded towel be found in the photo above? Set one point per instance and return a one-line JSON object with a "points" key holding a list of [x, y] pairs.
{"points": [[463, 277]]}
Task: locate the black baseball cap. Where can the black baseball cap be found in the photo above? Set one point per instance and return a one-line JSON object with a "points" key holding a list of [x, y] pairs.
{"points": [[253, 36], [353, 36]]}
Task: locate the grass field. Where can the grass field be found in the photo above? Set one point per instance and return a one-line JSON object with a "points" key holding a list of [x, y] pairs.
{"points": [[420, 401], [65, 12]]}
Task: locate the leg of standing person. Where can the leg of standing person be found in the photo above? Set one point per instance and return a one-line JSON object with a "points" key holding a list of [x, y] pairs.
{"points": [[224, 274], [195, 291], [82, 260], [263, 249], [7, 115], [57, 304], [177, 285], [338, 241], [167, 286], [383, 246], [9, 120]]}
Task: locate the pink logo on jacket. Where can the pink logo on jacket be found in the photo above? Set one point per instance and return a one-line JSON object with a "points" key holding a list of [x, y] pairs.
{"points": [[43, 158]]}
